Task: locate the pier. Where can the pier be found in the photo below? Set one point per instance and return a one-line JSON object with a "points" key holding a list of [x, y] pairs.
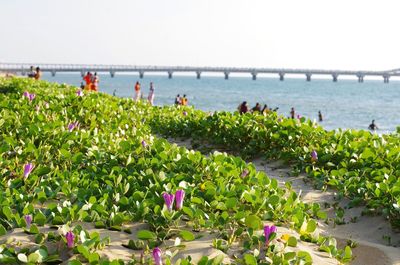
{"points": [[23, 69]]}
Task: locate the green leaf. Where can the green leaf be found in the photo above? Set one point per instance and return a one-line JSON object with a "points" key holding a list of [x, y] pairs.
{"points": [[231, 203], [84, 251], [34, 229], [146, 235], [33, 257], [253, 221], [292, 241], [40, 218], [74, 262], [250, 259], [311, 226], [7, 212], [42, 171], [22, 257], [187, 235], [3, 231]]}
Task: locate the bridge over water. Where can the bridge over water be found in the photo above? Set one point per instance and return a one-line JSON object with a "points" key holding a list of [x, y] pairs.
{"points": [[23, 68]]}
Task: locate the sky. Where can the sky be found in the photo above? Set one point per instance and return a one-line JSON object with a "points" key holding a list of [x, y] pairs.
{"points": [[340, 34]]}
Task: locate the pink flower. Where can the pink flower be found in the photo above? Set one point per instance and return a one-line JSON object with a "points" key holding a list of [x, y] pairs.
{"points": [[268, 230], [169, 200], [244, 173], [37, 108], [28, 169], [157, 256], [28, 220], [70, 239], [72, 126], [46, 104], [144, 144], [26, 94], [179, 196], [314, 156], [185, 113], [79, 93], [31, 97]]}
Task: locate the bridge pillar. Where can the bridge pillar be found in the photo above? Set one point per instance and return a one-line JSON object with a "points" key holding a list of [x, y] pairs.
{"points": [[53, 72], [308, 77], [112, 73], [226, 75], [386, 78], [198, 74], [335, 77], [254, 76], [169, 74], [141, 74], [281, 76], [360, 78]]}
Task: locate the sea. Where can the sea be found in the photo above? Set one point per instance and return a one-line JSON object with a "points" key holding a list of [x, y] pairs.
{"points": [[345, 104]]}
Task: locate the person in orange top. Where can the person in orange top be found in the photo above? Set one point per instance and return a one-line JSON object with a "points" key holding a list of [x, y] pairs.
{"points": [[137, 91], [184, 100]]}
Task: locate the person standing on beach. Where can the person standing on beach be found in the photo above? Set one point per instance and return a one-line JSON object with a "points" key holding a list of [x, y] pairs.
{"points": [[243, 108], [151, 94], [32, 72], [95, 82], [137, 91], [320, 116], [292, 113], [178, 100], [88, 80], [184, 101], [257, 108], [38, 74]]}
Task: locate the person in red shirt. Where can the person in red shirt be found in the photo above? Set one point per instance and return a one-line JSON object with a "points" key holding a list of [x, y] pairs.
{"points": [[137, 91], [88, 79]]}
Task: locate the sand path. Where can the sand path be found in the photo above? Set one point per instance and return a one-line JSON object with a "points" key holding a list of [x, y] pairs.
{"points": [[372, 233]]}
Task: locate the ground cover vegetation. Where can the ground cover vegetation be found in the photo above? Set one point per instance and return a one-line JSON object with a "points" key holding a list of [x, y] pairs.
{"points": [[360, 165], [68, 159]]}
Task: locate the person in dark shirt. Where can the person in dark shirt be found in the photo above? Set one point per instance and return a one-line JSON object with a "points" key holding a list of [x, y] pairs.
{"points": [[257, 108], [320, 116], [243, 108], [292, 113], [373, 126]]}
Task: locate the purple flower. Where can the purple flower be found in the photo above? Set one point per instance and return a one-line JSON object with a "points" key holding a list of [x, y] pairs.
{"points": [[144, 144], [157, 256], [298, 116], [179, 196], [31, 97], [185, 113], [26, 94], [268, 230], [72, 126], [314, 155], [28, 169], [244, 173], [70, 239], [79, 93], [28, 220], [169, 200]]}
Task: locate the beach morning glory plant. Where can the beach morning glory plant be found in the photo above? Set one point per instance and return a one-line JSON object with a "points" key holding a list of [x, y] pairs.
{"points": [[179, 196], [268, 230], [70, 239], [169, 200], [157, 256], [28, 169]]}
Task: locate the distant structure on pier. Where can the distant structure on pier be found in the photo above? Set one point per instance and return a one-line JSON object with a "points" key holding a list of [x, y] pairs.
{"points": [[23, 68]]}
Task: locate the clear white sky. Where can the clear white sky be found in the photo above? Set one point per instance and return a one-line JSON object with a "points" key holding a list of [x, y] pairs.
{"points": [[340, 34]]}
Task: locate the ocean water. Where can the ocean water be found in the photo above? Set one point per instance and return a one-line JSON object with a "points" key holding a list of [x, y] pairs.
{"points": [[344, 104]]}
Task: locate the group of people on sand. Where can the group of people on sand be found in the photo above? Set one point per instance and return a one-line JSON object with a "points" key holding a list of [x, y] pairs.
{"points": [[139, 94], [91, 82], [244, 108], [181, 100], [35, 73]]}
